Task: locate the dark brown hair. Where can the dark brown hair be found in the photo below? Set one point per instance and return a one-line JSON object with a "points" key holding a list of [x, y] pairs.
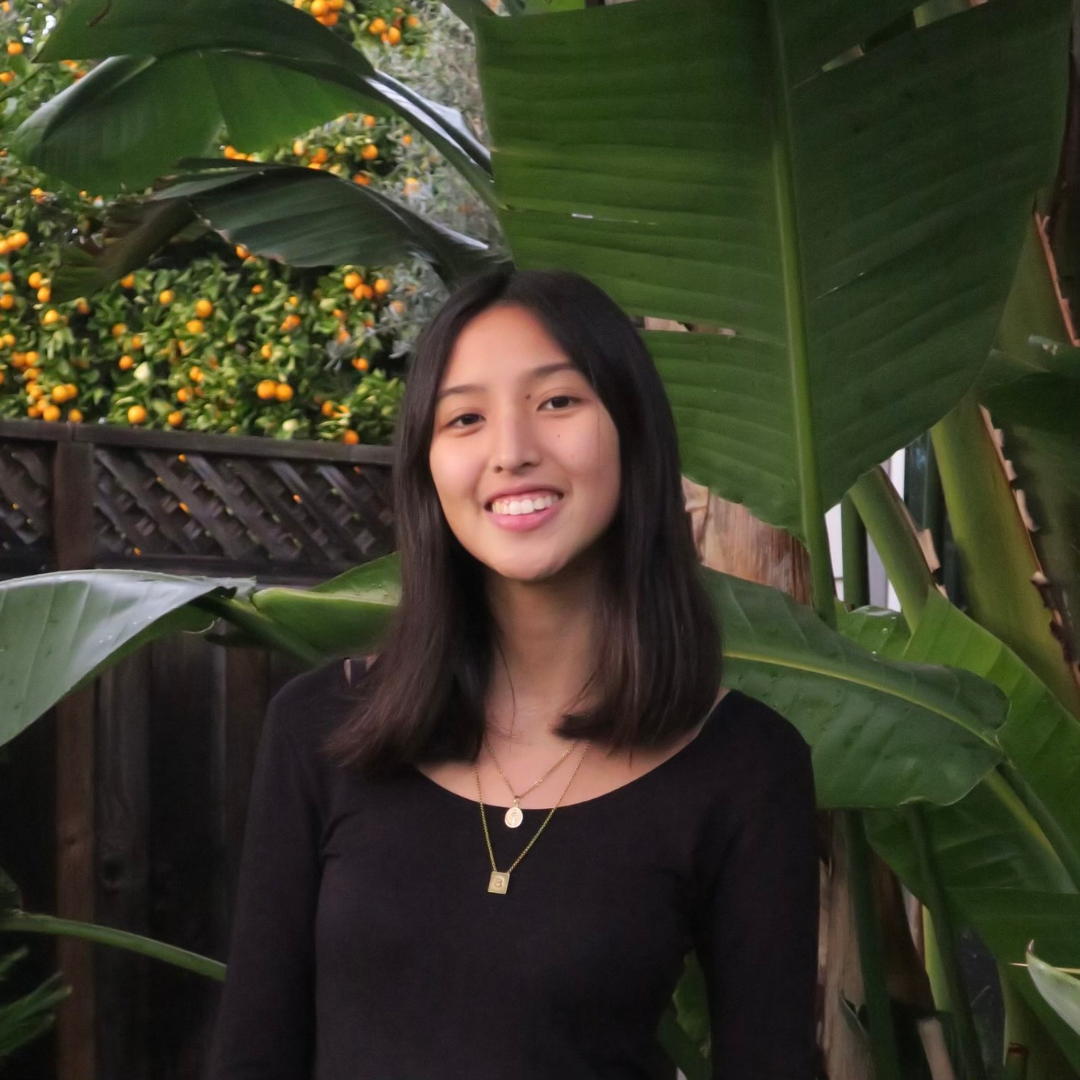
{"points": [[660, 659]]}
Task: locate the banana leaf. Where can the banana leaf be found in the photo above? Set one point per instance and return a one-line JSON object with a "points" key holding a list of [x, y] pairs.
{"points": [[847, 230]]}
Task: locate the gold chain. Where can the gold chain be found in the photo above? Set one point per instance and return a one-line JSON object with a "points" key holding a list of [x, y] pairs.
{"points": [[483, 817], [515, 796]]}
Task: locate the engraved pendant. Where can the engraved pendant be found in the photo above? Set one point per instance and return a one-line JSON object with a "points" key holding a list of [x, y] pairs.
{"points": [[513, 816], [499, 881]]}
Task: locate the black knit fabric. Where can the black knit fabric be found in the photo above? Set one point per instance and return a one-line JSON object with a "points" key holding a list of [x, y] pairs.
{"points": [[365, 945]]}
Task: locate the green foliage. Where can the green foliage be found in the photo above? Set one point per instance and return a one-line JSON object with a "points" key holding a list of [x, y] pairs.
{"points": [[241, 344]]}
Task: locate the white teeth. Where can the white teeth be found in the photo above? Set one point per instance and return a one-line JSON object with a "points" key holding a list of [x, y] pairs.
{"points": [[524, 506]]}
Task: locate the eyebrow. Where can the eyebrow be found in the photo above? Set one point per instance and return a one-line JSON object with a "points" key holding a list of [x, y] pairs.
{"points": [[536, 373]]}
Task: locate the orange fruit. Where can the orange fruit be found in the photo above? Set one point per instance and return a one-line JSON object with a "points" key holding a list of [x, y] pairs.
{"points": [[5, 276], [136, 414], [18, 239], [128, 281], [382, 286], [136, 341], [370, 152], [35, 280], [7, 301], [369, 120], [350, 437], [352, 280], [242, 252], [413, 21], [204, 309], [194, 326], [31, 357], [125, 363], [50, 317], [166, 296], [328, 408], [175, 419], [7, 76], [299, 148], [44, 294], [360, 178], [74, 415], [358, 292], [50, 412], [377, 26], [266, 352], [266, 389], [81, 306], [14, 48], [367, 292], [119, 329], [329, 19], [183, 394], [195, 375], [319, 7], [283, 392], [393, 35], [290, 322], [398, 306], [360, 363], [256, 289], [59, 394]]}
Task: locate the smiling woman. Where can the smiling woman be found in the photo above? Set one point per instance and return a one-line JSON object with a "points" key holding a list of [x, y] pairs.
{"points": [[554, 658]]}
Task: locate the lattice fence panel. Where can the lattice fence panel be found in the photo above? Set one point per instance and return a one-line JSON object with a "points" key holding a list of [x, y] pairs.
{"points": [[25, 498]]}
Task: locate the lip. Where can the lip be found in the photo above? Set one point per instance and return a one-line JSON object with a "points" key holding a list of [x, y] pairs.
{"points": [[525, 522]]}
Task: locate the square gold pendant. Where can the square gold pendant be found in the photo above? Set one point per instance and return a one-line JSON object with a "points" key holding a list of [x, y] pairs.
{"points": [[499, 881]]}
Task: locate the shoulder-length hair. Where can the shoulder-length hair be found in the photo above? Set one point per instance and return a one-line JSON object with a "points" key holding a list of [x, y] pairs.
{"points": [[658, 636]]}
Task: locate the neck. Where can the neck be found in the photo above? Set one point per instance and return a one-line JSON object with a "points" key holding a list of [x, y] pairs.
{"points": [[546, 652]]}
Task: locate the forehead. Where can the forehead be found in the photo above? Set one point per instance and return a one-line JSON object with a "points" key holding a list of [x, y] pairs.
{"points": [[504, 343]]}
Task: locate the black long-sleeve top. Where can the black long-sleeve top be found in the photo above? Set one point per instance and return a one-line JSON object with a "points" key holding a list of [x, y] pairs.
{"points": [[365, 944]]}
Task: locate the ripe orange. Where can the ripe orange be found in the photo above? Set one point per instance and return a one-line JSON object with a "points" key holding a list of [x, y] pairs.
{"points": [[82, 306], [195, 374], [352, 280], [329, 19], [183, 394], [125, 363], [328, 408], [242, 252], [256, 289], [350, 437], [59, 394], [18, 240], [128, 281], [382, 286], [7, 76], [393, 35], [74, 415], [5, 276], [377, 26], [358, 292], [361, 179], [50, 317], [194, 326], [14, 48], [136, 414], [266, 389], [31, 357], [283, 392], [370, 152], [398, 306], [136, 341], [44, 294], [119, 329], [319, 7], [413, 21], [266, 352], [204, 309], [35, 280], [360, 363], [166, 296], [175, 419], [50, 412], [7, 301]]}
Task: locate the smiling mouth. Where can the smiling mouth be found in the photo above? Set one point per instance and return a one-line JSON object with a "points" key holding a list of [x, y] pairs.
{"points": [[518, 507]]}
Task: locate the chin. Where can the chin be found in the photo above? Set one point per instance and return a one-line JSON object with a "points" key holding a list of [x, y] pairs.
{"points": [[526, 570]]}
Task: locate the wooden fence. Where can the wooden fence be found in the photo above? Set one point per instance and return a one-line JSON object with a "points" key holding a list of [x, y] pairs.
{"points": [[125, 804]]}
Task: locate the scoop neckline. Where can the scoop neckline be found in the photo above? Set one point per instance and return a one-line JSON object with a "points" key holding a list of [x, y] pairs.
{"points": [[681, 753]]}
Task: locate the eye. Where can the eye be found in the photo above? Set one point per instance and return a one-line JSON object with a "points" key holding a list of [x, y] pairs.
{"points": [[562, 397], [463, 416]]}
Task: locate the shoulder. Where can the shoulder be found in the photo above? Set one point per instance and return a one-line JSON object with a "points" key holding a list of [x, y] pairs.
{"points": [[760, 746], [307, 705]]}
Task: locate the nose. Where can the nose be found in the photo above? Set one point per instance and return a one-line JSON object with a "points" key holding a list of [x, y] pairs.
{"points": [[514, 444]]}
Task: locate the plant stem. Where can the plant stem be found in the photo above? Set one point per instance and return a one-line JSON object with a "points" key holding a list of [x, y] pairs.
{"points": [[871, 955], [967, 1037], [23, 921], [254, 622]]}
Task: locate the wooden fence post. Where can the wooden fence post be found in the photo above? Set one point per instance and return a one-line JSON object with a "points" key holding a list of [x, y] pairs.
{"points": [[72, 522]]}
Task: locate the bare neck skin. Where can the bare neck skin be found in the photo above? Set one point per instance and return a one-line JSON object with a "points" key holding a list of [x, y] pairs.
{"points": [[547, 640]]}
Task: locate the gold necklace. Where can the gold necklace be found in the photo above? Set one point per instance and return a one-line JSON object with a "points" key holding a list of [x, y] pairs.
{"points": [[513, 816], [499, 881]]}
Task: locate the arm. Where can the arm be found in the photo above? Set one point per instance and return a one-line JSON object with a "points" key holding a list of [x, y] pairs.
{"points": [[758, 928], [265, 1021]]}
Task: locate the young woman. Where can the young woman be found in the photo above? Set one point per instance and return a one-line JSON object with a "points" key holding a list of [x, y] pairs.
{"points": [[488, 854]]}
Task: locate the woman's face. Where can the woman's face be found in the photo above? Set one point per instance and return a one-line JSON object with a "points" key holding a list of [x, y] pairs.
{"points": [[515, 415]]}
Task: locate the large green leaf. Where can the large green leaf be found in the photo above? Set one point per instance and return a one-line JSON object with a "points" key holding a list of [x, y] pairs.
{"points": [[306, 217], [58, 629], [852, 227], [871, 721], [263, 68]]}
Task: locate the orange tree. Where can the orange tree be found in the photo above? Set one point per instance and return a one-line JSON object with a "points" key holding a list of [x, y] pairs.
{"points": [[154, 318]]}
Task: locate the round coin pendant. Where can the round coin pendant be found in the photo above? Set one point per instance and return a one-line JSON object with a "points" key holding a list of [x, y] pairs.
{"points": [[514, 816]]}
